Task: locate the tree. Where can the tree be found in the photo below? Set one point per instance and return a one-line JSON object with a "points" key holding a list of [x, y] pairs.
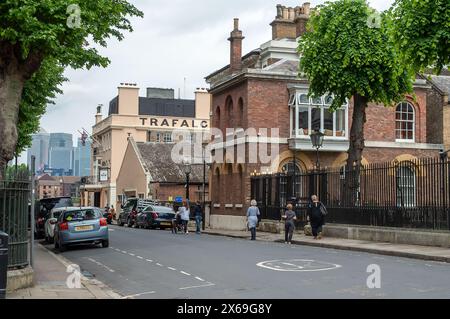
{"points": [[33, 31], [421, 29], [347, 52]]}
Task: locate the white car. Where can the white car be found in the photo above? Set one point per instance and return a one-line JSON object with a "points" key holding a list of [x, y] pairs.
{"points": [[50, 222]]}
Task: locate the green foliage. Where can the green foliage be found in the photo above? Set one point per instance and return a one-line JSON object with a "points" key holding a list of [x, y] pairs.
{"points": [[421, 29], [37, 94], [40, 27], [17, 173], [343, 55], [47, 40]]}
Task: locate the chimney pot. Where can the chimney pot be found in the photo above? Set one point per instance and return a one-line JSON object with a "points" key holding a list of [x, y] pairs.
{"points": [[236, 24]]}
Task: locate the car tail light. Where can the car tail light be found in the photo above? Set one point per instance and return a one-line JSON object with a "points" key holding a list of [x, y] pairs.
{"points": [[155, 215], [40, 220], [63, 226], [103, 222]]}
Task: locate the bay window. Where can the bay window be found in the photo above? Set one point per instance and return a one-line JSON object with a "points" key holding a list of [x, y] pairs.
{"points": [[314, 114]]}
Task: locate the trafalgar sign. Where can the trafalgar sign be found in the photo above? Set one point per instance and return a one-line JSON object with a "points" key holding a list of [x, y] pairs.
{"points": [[155, 122]]}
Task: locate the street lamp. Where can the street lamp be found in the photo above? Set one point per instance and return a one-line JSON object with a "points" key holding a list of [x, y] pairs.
{"points": [[187, 171], [317, 141]]}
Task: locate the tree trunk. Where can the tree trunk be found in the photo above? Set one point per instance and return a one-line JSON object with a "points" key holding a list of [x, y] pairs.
{"points": [[13, 73], [357, 144]]}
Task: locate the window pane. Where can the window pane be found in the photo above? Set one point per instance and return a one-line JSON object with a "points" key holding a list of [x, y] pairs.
{"points": [[340, 123], [316, 119], [304, 99], [328, 122], [329, 100], [303, 119], [317, 101]]}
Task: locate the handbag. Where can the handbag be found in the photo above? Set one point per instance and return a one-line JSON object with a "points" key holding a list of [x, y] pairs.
{"points": [[308, 230], [323, 209]]}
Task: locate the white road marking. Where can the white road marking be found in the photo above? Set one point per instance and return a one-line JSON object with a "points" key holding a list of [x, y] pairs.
{"points": [[138, 295], [302, 268], [193, 287], [171, 268], [198, 278], [185, 273], [157, 264], [149, 260], [131, 254], [140, 257], [101, 265], [124, 252]]}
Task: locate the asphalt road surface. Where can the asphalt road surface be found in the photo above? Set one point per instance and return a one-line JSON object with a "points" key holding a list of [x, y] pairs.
{"points": [[157, 264]]}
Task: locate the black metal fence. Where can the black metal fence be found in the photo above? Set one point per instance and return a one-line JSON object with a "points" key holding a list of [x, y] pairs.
{"points": [[14, 216], [410, 194]]}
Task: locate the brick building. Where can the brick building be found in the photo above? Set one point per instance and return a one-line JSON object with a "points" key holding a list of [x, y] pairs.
{"points": [[263, 89], [58, 186]]}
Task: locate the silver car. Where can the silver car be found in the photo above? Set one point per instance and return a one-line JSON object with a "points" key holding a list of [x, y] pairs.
{"points": [[85, 225]]}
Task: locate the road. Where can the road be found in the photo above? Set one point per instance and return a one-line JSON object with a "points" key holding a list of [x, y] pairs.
{"points": [[157, 264]]}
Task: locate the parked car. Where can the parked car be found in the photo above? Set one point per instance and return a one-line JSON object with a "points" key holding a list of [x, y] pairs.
{"points": [[131, 209], [155, 217], [43, 209], [51, 220], [84, 225]]}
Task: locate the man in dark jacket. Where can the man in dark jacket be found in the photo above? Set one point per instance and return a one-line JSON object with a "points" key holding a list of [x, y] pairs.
{"points": [[198, 214], [316, 216]]}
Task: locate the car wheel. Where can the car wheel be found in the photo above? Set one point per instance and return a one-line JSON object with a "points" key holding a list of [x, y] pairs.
{"points": [[129, 223], [105, 243]]}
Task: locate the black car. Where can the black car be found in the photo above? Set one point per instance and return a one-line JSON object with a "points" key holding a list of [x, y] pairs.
{"points": [[43, 209], [131, 209], [155, 217]]}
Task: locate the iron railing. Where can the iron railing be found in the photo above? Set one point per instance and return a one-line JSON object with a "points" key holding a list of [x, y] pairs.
{"points": [[411, 194], [14, 216]]}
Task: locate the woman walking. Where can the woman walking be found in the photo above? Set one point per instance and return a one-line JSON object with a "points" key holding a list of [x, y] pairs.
{"points": [[252, 218], [289, 226], [316, 216]]}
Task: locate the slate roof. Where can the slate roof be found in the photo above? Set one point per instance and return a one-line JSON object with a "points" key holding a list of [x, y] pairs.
{"points": [[284, 66], [157, 157], [442, 82]]}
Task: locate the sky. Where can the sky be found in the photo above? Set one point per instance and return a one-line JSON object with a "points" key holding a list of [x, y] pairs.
{"points": [[176, 40]]}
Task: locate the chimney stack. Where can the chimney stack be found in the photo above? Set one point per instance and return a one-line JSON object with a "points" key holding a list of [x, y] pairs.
{"points": [[301, 19], [236, 47], [290, 23], [98, 116]]}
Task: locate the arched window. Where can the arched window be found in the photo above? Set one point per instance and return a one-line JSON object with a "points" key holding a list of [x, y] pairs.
{"points": [[217, 192], [240, 122], [405, 121], [406, 185], [228, 113], [217, 118]]}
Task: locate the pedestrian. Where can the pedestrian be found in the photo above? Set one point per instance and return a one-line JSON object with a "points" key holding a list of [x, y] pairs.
{"points": [[316, 216], [185, 216], [289, 226], [252, 218], [176, 221], [112, 211], [198, 214]]}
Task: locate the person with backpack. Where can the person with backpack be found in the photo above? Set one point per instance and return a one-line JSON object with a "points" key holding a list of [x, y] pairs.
{"points": [[316, 216]]}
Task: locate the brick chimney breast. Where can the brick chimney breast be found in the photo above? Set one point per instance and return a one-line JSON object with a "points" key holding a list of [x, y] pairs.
{"points": [[301, 19], [283, 26], [236, 47]]}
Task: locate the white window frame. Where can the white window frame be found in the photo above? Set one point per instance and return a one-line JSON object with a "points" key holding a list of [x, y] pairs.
{"points": [[295, 105], [413, 140]]}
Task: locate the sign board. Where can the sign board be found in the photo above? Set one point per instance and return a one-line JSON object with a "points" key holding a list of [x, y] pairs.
{"points": [[104, 175], [179, 199]]}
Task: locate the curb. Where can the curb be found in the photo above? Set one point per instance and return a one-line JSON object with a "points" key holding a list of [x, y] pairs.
{"points": [[350, 248], [97, 288]]}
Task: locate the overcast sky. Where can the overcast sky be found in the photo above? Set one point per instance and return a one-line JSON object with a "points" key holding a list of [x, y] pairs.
{"points": [[176, 39]]}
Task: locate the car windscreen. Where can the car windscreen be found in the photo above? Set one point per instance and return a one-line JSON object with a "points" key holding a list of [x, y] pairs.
{"points": [[46, 205], [82, 215], [57, 214]]}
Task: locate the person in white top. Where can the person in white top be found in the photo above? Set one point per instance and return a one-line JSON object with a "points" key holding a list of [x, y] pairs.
{"points": [[185, 216]]}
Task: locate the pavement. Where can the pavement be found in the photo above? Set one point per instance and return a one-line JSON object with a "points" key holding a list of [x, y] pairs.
{"points": [[50, 278], [155, 264], [399, 250]]}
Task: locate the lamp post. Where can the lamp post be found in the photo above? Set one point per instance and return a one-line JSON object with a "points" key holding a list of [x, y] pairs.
{"points": [[317, 141], [187, 171]]}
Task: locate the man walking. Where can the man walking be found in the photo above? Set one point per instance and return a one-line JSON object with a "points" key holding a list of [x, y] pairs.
{"points": [[198, 214]]}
